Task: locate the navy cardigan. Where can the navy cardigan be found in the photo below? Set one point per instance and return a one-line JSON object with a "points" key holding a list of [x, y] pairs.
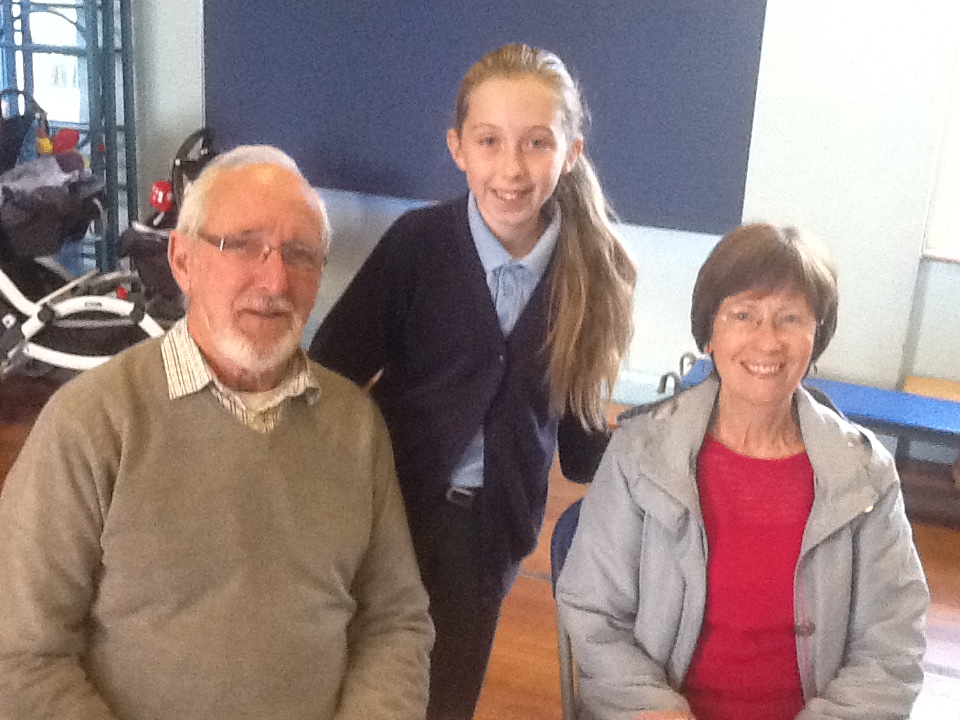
{"points": [[420, 310]]}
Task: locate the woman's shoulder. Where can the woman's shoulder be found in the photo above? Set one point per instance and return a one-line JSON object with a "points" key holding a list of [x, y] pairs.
{"points": [[657, 440], [837, 442], [685, 413]]}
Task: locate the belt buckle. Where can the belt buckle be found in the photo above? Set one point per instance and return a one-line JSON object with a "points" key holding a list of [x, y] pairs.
{"points": [[461, 496]]}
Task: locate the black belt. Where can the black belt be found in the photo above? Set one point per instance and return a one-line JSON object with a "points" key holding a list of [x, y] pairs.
{"points": [[461, 496]]}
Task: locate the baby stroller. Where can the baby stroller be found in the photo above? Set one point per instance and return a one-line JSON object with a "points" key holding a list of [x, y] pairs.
{"points": [[48, 318], [146, 243]]}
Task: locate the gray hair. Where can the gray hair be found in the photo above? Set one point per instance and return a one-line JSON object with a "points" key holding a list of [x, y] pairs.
{"points": [[193, 210]]}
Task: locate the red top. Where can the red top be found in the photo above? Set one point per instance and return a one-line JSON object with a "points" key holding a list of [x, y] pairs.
{"points": [[754, 511]]}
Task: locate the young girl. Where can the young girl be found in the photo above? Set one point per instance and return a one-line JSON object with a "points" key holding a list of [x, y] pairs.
{"points": [[487, 319]]}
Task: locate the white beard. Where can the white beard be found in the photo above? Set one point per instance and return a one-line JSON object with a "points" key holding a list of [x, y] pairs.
{"points": [[255, 358], [258, 358]]}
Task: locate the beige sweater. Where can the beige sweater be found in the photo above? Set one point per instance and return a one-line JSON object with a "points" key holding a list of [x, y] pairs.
{"points": [[161, 561]]}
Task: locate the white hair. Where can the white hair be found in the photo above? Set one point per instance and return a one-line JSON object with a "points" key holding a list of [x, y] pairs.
{"points": [[193, 210]]}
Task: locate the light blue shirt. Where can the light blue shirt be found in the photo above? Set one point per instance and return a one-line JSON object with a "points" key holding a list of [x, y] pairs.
{"points": [[511, 281]]}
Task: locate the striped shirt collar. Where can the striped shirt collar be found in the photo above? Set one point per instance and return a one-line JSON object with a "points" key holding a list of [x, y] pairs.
{"points": [[188, 373]]}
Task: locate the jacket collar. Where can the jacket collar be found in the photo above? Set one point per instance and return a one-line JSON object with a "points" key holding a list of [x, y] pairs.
{"points": [[840, 452]]}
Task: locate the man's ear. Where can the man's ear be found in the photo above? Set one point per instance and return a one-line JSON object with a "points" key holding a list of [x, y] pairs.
{"points": [[180, 256], [454, 145], [573, 154]]}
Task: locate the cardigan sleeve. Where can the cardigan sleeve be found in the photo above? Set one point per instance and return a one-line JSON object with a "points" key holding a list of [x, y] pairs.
{"points": [[51, 518], [360, 334], [579, 449]]}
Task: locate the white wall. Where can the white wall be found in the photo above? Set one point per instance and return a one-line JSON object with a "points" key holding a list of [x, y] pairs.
{"points": [[850, 107], [168, 62], [848, 116]]}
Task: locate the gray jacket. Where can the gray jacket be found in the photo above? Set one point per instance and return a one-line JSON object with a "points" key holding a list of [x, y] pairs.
{"points": [[633, 590]]}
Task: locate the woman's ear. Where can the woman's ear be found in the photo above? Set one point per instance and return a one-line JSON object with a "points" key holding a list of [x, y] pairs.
{"points": [[455, 147], [573, 154]]}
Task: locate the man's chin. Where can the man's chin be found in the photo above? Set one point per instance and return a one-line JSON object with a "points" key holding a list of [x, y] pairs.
{"points": [[259, 355]]}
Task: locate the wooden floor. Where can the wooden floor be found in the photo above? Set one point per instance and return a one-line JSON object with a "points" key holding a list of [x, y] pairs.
{"points": [[522, 683]]}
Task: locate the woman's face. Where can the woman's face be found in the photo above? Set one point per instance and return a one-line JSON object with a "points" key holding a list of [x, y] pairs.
{"points": [[761, 344]]}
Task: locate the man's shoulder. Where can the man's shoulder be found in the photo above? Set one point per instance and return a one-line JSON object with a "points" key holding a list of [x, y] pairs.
{"points": [[98, 401], [135, 370], [341, 392]]}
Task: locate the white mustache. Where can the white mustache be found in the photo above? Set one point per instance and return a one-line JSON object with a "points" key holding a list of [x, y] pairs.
{"points": [[268, 304]]}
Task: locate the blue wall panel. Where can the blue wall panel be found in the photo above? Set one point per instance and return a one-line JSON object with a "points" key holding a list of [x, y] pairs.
{"points": [[361, 93]]}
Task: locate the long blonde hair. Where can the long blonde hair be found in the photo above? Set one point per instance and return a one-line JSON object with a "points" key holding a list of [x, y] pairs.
{"points": [[591, 288]]}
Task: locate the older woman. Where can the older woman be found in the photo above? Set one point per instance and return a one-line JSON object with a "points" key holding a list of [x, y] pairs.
{"points": [[743, 552]]}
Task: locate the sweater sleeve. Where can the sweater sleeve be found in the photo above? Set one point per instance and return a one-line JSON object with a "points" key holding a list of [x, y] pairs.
{"points": [[51, 517], [391, 634], [598, 598], [362, 329], [881, 674]]}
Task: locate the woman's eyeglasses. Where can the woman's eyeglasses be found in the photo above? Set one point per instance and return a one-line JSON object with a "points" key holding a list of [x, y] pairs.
{"points": [[750, 320]]}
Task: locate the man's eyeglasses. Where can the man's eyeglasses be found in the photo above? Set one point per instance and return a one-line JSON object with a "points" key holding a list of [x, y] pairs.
{"points": [[253, 246]]}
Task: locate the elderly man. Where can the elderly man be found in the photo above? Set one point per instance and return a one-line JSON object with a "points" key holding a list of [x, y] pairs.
{"points": [[208, 527]]}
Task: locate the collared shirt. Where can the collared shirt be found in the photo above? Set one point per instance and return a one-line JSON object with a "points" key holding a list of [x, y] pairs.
{"points": [[511, 281], [187, 373]]}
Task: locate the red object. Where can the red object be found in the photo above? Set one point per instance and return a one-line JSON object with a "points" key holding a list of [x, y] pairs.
{"points": [[161, 196], [65, 140], [122, 293], [754, 511]]}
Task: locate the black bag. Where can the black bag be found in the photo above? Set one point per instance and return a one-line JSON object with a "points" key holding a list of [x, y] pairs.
{"points": [[14, 129], [42, 207]]}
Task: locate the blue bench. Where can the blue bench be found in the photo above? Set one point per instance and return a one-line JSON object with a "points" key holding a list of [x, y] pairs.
{"points": [[891, 412]]}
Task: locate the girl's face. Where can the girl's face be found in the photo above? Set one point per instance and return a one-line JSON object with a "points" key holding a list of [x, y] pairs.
{"points": [[513, 150]]}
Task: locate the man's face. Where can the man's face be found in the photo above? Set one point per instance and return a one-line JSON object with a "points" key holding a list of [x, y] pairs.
{"points": [[246, 311]]}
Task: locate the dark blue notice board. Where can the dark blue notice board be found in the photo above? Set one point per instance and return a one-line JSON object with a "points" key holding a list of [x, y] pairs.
{"points": [[361, 93]]}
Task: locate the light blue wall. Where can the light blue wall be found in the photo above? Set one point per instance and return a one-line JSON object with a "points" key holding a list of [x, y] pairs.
{"points": [[667, 263], [935, 340]]}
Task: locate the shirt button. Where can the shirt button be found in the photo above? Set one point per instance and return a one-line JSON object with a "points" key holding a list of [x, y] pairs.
{"points": [[804, 629], [501, 359]]}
